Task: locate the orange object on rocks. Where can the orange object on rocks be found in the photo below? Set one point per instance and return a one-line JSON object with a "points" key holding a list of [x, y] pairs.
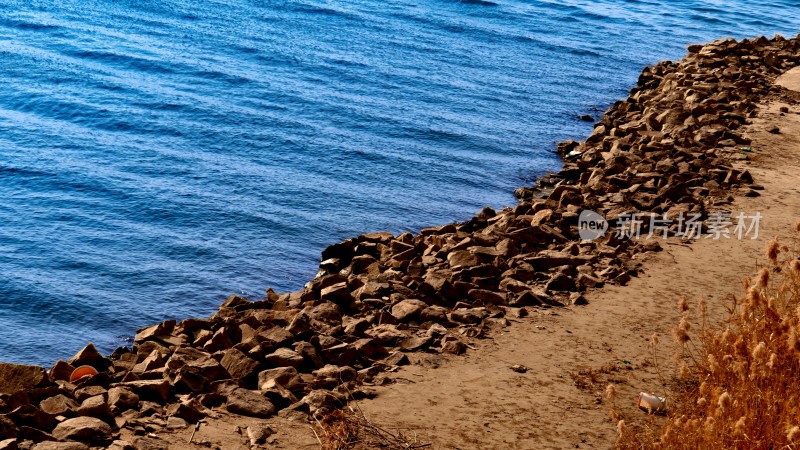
{"points": [[82, 371]]}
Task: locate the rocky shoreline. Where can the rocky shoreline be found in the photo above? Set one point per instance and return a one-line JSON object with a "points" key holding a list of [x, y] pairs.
{"points": [[667, 149]]}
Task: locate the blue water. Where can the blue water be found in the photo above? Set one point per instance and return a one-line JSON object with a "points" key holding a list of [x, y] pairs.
{"points": [[156, 156]]}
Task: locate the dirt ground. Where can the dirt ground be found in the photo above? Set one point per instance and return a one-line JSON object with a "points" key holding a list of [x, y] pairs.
{"points": [[477, 401]]}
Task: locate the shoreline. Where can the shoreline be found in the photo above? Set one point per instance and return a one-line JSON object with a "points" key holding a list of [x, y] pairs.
{"points": [[378, 298]]}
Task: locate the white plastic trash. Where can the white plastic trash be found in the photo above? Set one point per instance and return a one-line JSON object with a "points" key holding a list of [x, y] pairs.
{"points": [[652, 403]]}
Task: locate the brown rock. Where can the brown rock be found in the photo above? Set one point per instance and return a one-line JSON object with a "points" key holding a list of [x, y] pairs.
{"points": [[340, 374], [121, 445], [249, 403], [17, 377], [122, 398], [84, 429], [454, 347], [356, 327], [462, 258], [154, 390], [341, 355], [321, 402], [436, 314], [8, 444], [191, 411], [369, 348], [386, 334], [408, 310], [416, 343], [239, 365], [96, 406], [311, 357], [191, 370], [588, 281], [299, 326], [487, 297], [396, 359], [326, 312], [577, 299], [7, 427], [561, 282], [468, 315], [284, 357], [155, 331], [59, 405], [153, 361], [150, 443], [89, 356], [52, 445], [287, 377], [89, 391], [218, 341], [338, 294], [61, 371], [529, 298]]}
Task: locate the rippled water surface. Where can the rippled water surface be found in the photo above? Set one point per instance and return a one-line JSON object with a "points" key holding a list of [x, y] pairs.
{"points": [[156, 156]]}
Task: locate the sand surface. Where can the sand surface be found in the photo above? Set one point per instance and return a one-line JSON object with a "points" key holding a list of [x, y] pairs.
{"points": [[476, 401]]}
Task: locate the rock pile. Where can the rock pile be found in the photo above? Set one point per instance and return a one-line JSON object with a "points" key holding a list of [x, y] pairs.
{"points": [[666, 149]]}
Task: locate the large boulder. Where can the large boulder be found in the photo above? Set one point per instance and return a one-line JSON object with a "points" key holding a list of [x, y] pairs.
{"points": [[18, 377]]}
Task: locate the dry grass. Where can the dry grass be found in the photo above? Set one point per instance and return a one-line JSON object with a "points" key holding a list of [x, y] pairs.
{"points": [[737, 386], [588, 378], [349, 429]]}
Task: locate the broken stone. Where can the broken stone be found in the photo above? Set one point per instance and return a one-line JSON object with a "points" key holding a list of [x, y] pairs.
{"points": [[284, 357], [89, 356], [249, 403], [154, 390], [454, 347], [462, 258], [396, 359], [61, 371], [59, 405], [189, 410], [341, 355], [121, 445], [338, 294], [122, 398], [287, 377], [155, 331], [486, 296], [84, 429], [239, 365], [408, 310], [96, 406]]}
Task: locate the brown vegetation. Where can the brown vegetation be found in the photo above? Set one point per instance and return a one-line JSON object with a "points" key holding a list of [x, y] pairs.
{"points": [[736, 386]]}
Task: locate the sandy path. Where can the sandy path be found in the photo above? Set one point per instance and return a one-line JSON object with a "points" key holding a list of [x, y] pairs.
{"points": [[476, 401]]}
